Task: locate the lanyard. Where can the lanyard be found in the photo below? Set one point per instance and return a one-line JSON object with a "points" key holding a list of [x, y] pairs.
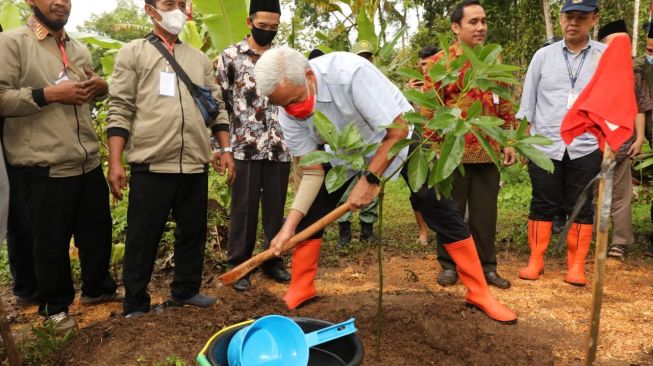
{"points": [[573, 78], [64, 55]]}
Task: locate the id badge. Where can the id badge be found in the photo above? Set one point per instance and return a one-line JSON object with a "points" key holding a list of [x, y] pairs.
{"points": [[495, 98], [573, 96], [63, 76], [167, 83]]}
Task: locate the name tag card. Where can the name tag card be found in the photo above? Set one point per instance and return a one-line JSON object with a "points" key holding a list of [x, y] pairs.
{"points": [[167, 84], [573, 96]]}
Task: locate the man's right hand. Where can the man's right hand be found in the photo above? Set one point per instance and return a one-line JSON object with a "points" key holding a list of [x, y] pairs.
{"points": [[117, 180], [67, 92]]}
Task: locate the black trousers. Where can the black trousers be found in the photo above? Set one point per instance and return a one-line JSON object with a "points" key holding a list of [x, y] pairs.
{"points": [[152, 197], [20, 242], [441, 215], [556, 194], [61, 208], [258, 183], [477, 191]]}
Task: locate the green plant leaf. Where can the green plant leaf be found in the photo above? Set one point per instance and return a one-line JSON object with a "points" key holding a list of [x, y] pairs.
{"points": [[386, 51], [450, 157], [498, 134], [335, 178], [488, 121], [438, 72], [410, 73], [488, 148], [444, 44], [9, 16], [644, 164], [474, 110], [536, 140], [366, 30], [461, 128], [316, 157], [398, 146], [191, 35], [415, 118], [326, 129], [427, 100], [490, 53], [224, 20], [523, 126], [536, 156], [96, 40], [417, 170], [443, 120]]}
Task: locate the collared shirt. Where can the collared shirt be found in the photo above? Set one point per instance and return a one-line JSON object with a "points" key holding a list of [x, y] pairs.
{"points": [[491, 103], [349, 89], [255, 130], [546, 94]]}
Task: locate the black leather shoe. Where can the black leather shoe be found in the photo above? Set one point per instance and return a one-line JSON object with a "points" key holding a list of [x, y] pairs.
{"points": [[495, 280], [243, 284], [278, 274], [448, 277], [345, 234]]}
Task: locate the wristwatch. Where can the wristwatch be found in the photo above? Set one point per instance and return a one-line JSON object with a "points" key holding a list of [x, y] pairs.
{"points": [[228, 149], [371, 178]]}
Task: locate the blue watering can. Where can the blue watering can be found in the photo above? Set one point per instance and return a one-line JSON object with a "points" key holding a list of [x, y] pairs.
{"points": [[275, 340]]}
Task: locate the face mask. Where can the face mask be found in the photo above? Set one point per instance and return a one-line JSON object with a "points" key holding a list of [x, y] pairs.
{"points": [[304, 109], [172, 21], [649, 59], [263, 37], [45, 21]]}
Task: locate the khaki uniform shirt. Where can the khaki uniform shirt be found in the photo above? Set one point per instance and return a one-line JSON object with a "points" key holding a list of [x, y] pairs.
{"points": [[36, 134], [165, 134]]}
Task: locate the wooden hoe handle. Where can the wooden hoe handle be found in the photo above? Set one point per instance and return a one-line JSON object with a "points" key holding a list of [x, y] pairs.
{"points": [[244, 268]]}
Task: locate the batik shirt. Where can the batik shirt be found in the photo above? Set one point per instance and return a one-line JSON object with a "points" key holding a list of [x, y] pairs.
{"points": [[255, 130], [492, 106]]}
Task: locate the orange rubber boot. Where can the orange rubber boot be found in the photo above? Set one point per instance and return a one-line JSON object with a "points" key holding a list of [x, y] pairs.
{"points": [[578, 245], [303, 272], [471, 274], [539, 233]]}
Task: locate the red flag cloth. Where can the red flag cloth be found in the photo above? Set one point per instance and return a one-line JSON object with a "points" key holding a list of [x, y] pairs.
{"points": [[607, 106]]}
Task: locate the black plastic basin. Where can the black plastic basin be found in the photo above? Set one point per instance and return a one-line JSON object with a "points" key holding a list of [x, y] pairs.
{"points": [[345, 351]]}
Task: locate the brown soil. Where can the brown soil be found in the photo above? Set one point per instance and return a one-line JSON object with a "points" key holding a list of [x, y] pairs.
{"points": [[424, 323]]}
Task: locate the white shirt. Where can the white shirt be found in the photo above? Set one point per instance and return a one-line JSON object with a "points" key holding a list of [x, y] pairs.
{"points": [[349, 88], [546, 93]]}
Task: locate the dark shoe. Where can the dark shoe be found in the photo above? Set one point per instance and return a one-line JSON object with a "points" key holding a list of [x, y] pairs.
{"points": [[345, 234], [243, 284], [367, 231], [649, 251], [278, 274], [448, 277], [104, 298], [199, 300], [495, 280]]}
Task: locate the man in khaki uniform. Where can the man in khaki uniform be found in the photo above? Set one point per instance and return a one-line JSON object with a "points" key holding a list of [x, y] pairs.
{"points": [[49, 139], [154, 119]]}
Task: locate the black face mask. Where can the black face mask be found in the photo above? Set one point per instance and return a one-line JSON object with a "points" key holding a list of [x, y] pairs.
{"points": [[52, 25], [263, 37]]}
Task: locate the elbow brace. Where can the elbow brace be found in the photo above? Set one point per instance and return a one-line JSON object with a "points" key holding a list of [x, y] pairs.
{"points": [[310, 186]]}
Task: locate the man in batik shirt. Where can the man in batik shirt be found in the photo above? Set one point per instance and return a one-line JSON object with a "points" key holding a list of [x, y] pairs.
{"points": [[477, 191], [261, 156]]}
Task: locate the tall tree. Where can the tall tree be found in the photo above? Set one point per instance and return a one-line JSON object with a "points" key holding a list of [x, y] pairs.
{"points": [[547, 18], [125, 23]]}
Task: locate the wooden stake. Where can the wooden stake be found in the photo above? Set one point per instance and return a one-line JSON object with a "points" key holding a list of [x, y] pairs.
{"points": [[600, 253], [7, 339]]}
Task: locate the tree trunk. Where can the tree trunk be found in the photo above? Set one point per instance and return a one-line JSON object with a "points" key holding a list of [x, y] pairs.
{"points": [[635, 27], [547, 19]]}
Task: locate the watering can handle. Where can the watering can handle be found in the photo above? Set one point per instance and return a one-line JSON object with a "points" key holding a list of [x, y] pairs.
{"points": [[330, 333], [244, 268]]}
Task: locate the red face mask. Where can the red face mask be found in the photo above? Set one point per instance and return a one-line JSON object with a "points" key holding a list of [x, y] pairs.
{"points": [[304, 109]]}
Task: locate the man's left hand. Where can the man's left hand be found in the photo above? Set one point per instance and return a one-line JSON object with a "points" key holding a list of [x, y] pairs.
{"points": [[635, 148], [95, 84], [509, 156], [362, 194]]}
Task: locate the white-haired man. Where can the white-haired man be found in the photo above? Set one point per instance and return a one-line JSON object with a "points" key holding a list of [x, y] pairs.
{"points": [[347, 88]]}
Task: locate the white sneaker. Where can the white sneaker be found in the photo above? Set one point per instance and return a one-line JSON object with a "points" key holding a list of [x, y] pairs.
{"points": [[61, 323]]}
